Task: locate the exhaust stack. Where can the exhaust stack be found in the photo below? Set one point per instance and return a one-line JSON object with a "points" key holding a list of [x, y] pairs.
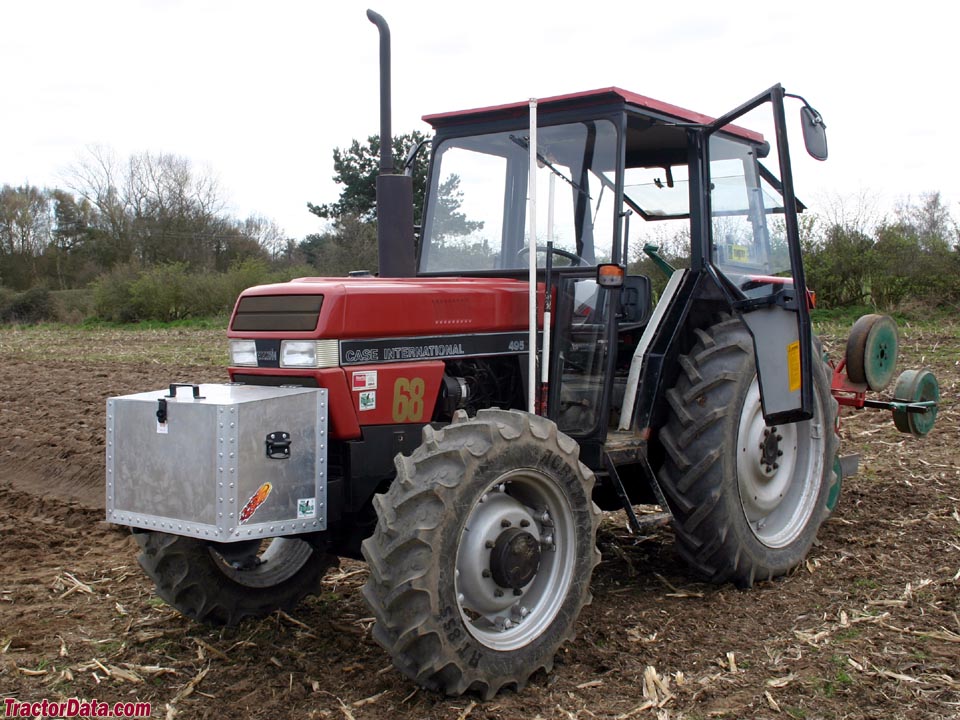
{"points": [[395, 240]]}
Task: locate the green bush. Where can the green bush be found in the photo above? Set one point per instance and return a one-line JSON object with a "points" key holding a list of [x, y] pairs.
{"points": [[6, 297], [73, 306], [113, 297], [33, 306], [172, 292], [169, 292]]}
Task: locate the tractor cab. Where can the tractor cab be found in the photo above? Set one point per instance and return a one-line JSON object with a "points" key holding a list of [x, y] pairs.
{"points": [[609, 164]]}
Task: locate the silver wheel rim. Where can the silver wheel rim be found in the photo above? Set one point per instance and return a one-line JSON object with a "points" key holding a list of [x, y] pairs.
{"points": [[779, 485], [495, 615], [263, 563]]}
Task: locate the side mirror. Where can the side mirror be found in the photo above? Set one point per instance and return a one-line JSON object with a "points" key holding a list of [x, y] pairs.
{"points": [[814, 132], [635, 300]]}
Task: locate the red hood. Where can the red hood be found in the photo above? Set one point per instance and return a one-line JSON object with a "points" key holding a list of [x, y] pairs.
{"points": [[401, 307]]}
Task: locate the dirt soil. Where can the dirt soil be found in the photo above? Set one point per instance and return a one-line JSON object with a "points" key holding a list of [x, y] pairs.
{"points": [[869, 627]]}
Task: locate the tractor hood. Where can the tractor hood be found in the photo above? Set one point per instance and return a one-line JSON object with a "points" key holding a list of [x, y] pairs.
{"points": [[348, 308]]}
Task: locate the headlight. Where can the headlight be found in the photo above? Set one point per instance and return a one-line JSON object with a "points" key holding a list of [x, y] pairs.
{"points": [[243, 353], [298, 353], [309, 353]]}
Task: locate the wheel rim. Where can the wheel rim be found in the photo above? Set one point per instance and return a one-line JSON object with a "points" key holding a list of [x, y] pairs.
{"points": [[779, 472], [916, 386], [259, 564], [880, 357], [520, 508]]}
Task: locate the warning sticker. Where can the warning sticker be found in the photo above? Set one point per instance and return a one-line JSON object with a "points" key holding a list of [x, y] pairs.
{"points": [[793, 366], [365, 380], [368, 400]]}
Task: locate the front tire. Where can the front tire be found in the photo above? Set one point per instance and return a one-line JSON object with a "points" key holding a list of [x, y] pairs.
{"points": [[747, 499], [481, 560]]}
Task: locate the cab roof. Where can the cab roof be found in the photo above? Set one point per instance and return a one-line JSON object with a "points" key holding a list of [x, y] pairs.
{"points": [[582, 100]]}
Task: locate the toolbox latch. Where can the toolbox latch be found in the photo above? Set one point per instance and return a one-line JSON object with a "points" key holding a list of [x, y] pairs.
{"points": [[278, 445]]}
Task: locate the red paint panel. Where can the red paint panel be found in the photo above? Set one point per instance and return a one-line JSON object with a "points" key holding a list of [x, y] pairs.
{"points": [[404, 307], [397, 393], [582, 99]]}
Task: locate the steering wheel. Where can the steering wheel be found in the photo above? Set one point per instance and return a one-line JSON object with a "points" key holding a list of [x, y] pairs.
{"points": [[572, 257]]}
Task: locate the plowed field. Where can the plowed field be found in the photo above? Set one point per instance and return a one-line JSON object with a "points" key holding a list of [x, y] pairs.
{"points": [[869, 627]]}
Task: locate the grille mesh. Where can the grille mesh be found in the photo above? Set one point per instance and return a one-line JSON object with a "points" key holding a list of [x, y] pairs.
{"points": [[278, 313]]}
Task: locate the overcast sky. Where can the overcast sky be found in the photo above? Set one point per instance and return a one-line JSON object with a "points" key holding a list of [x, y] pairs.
{"points": [[261, 92]]}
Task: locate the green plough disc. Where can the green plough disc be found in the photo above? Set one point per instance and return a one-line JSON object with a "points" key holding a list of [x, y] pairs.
{"points": [[872, 351], [916, 386]]}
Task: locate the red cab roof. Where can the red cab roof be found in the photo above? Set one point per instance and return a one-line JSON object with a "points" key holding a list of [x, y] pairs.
{"points": [[585, 99]]}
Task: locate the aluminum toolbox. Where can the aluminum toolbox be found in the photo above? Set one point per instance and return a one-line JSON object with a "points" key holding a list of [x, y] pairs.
{"points": [[229, 463]]}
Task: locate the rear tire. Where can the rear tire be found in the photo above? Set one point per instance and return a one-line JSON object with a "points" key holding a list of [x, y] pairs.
{"points": [[221, 584], [747, 500], [482, 556]]}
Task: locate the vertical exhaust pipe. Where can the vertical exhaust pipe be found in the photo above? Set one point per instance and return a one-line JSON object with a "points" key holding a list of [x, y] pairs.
{"points": [[395, 241]]}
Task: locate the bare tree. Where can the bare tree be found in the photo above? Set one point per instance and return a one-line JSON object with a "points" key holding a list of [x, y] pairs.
{"points": [[155, 206]]}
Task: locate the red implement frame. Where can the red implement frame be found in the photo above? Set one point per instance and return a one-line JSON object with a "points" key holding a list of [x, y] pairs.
{"points": [[845, 392]]}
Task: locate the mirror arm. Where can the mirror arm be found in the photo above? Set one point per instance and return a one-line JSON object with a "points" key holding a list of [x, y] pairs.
{"points": [[412, 155], [817, 117]]}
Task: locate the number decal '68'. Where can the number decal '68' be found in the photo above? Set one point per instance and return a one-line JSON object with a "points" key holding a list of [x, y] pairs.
{"points": [[408, 399]]}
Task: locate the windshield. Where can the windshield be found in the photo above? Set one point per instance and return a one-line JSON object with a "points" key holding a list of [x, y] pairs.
{"points": [[476, 215]]}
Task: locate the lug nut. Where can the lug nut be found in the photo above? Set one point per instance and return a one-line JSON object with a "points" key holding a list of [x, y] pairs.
{"points": [[504, 523], [779, 453], [518, 592], [498, 593], [485, 573], [524, 523], [489, 544]]}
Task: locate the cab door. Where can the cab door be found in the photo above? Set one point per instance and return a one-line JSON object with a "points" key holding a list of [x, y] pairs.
{"points": [[754, 249]]}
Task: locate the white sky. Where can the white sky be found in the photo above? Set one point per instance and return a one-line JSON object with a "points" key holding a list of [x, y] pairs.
{"points": [[261, 92]]}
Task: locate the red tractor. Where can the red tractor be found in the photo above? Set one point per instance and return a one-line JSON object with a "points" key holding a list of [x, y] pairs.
{"points": [[461, 420]]}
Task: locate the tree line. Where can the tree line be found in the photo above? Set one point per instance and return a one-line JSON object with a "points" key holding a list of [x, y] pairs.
{"points": [[150, 235], [150, 209]]}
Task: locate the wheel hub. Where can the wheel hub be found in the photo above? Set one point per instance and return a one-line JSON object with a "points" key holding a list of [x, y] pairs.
{"points": [[770, 451], [515, 558], [778, 472]]}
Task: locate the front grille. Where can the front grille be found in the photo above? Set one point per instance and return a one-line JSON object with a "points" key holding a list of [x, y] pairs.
{"points": [[278, 313]]}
